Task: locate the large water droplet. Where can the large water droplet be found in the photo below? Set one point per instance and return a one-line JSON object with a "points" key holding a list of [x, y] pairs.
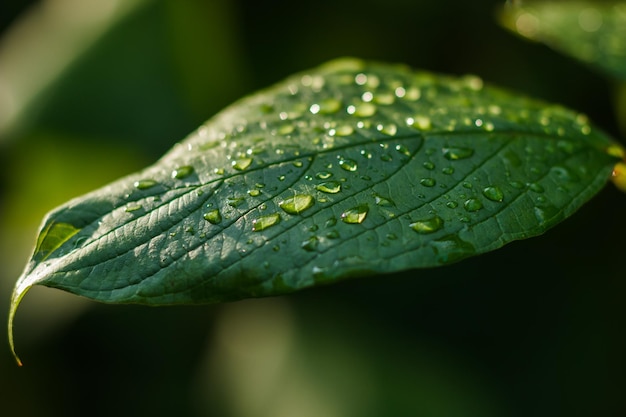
{"points": [[427, 226], [456, 153], [145, 184], [182, 172], [330, 187], [265, 222], [355, 215], [297, 204], [493, 193], [213, 216]]}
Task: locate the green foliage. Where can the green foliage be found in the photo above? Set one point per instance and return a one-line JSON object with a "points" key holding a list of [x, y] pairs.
{"points": [[351, 169]]}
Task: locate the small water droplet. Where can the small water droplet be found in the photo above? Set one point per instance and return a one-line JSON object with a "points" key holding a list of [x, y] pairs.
{"points": [[331, 221], [452, 248], [235, 201], [182, 172], [448, 170], [403, 150], [264, 222], [493, 193], [348, 164], [429, 165], [213, 216], [362, 109], [254, 193], [538, 188], [355, 215], [144, 184], [333, 234], [427, 226], [386, 157], [452, 204], [473, 204], [311, 244], [422, 123], [133, 207], [330, 187], [387, 129], [297, 164], [297, 204], [456, 153], [323, 175], [329, 106], [428, 182], [241, 163], [383, 201]]}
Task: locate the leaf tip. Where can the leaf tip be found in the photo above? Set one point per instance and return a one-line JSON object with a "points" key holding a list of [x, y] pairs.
{"points": [[18, 294]]}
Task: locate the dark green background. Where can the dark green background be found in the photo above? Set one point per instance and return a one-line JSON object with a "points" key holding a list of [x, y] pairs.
{"points": [[534, 329]]}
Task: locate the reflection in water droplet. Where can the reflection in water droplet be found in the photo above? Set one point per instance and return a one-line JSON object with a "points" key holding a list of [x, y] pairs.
{"points": [[403, 150], [145, 184], [473, 204], [213, 216], [182, 172], [330, 187], [297, 204], [493, 193], [355, 215], [456, 153], [265, 222], [427, 226], [348, 164]]}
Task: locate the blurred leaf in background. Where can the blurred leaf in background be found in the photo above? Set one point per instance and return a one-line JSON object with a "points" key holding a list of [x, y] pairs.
{"points": [[532, 329]]}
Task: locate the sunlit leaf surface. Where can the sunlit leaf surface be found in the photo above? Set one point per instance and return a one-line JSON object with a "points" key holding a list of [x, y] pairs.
{"points": [[350, 169], [593, 32]]}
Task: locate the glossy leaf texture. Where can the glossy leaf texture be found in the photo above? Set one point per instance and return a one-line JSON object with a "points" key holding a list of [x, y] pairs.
{"points": [[350, 169], [592, 32]]}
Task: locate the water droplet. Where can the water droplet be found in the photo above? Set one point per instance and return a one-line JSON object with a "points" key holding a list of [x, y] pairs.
{"points": [[182, 172], [473, 204], [311, 244], [133, 207], [403, 150], [386, 157], [448, 170], [264, 222], [315, 108], [428, 182], [385, 98], [348, 164], [235, 201], [297, 164], [388, 129], [343, 130], [145, 184], [333, 234], [213, 216], [391, 236], [456, 153], [330, 187], [383, 201], [421, 123], [355, 215], [323, 175], [362, 109], [331, 221], [254, 193], [429, 165], [493, 193], [241, 163], [297, 204], [218, 171], [329, 106], [538, 188], [452, 204], [427, 226], [452, 248]]}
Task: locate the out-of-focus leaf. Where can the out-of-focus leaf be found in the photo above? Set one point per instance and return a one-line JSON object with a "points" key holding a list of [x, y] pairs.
{"points": [[350, 169], [593, 32]]}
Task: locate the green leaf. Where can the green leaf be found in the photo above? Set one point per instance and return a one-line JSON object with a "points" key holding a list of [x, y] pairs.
{"points": [[592, 32], [350, 169]]}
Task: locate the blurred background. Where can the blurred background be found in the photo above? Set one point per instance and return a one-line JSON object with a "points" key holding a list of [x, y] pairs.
{"points": [[91, 90]]}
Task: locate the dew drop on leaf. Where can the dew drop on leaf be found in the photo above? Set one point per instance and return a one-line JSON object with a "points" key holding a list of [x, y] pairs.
{"points": [[355, 215], [428, 182], [493, 193], [182, 172], [329, 187], [213, 216], [473, 204], [297, 204], [456, 153], [241, 163], [144, 184], [427, 226], [265, 222], [348, 164], [311, 244]]}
